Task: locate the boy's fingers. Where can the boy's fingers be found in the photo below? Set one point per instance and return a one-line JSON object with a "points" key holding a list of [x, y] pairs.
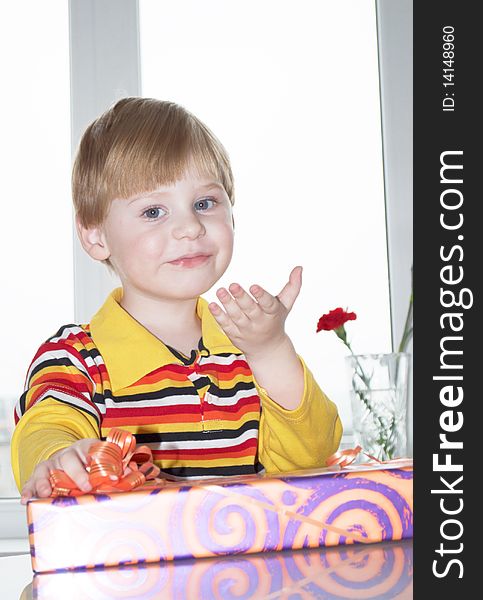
{"points": [[225, 322], [38, 485], [247, 304], [291, 290], [27, 492], [232, 307], [75, 469], [43, 489], [70, 460], [268, 303], [83, 448]]}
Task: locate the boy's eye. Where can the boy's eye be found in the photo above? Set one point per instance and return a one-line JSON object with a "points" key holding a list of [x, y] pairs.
{"points": [[205, 204], [152, 213]]}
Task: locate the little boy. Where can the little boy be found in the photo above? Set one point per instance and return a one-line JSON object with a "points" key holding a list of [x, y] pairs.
{"points": [[213, 391]]}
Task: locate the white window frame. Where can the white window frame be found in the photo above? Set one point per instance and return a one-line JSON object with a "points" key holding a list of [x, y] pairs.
{"points": [[105, 66]]}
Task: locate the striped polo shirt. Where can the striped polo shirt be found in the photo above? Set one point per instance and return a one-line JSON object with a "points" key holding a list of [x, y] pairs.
{"points": [[199, 414]]}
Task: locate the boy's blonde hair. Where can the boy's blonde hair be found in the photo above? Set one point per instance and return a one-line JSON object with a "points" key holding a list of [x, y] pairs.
{"points": [[138, 145]]}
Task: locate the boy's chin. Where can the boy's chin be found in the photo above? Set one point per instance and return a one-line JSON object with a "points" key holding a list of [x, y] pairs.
{"points": [[193, 282], [191, 290]]}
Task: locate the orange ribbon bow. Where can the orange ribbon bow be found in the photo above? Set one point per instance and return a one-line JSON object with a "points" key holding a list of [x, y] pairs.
{"points": [[117, 457]]}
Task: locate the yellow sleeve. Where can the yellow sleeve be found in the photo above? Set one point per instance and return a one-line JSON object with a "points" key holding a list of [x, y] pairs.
{"points": [[45, 428], [57, 406], [302, 438]]}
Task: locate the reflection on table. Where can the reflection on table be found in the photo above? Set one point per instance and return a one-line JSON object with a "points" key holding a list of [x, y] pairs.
{"points": [[371, 571]]}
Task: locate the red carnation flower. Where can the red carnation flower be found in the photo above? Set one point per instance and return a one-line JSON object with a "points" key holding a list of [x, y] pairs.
{"points": [[335, 319]]}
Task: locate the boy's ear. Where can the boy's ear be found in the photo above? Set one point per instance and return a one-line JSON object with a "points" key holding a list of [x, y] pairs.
{"points": [[92, 240]]}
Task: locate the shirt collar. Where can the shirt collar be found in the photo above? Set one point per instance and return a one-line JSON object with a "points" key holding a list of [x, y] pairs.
{"points": [[130, 351]]}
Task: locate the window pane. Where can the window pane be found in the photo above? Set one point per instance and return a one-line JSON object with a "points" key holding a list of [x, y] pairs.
{"points": [[36, 266], [292, 91]]}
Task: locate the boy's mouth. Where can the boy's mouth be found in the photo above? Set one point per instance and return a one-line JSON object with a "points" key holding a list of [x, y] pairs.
{"points": [[190, 261]]}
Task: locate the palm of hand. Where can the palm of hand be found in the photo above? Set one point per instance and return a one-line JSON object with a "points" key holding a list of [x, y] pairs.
{"points": [[256, 324]]}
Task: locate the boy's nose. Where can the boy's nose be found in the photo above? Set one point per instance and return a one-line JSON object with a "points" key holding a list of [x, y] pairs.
{"points": [[189, 226]]}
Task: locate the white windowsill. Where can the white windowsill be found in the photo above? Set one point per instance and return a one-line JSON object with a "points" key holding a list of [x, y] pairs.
{"points": [[13, 527]]}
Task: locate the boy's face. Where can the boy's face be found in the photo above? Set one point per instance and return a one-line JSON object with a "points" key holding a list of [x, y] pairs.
{"points": [[146, 233]]}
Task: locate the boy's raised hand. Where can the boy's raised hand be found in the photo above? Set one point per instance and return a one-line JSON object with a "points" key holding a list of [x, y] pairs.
{"points": [[72, 460], [256, 325]]}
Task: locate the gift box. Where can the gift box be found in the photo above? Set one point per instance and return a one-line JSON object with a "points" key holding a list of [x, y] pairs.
{"points": [[358, 504], [382, 570]]}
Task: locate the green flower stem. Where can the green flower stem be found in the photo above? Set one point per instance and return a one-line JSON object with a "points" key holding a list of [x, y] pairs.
{"points": [[359, 369], [383, 440]]}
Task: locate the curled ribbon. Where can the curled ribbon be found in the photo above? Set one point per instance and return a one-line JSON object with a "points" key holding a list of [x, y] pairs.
{"points": [[344, 458], [115, 465]]}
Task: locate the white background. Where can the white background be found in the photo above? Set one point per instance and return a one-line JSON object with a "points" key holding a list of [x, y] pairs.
{"points": [[36, 267]]}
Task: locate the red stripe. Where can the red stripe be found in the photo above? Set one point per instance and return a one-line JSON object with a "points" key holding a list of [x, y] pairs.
{"points": [[236, 364], [76, 382], [113, 421], [172, 368], [161, 420], [55, 347], [135, 411], [202, 452], [231, 375], [158, 376], [180, 409]]}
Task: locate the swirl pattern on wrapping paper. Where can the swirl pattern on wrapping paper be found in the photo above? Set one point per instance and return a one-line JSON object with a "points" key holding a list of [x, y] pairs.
{"points": [[377, 572], [382, 519], [220, 515], [340, 483]]}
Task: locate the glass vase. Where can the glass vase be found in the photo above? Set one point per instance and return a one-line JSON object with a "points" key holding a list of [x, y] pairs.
{"points": [[379, 397]]}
